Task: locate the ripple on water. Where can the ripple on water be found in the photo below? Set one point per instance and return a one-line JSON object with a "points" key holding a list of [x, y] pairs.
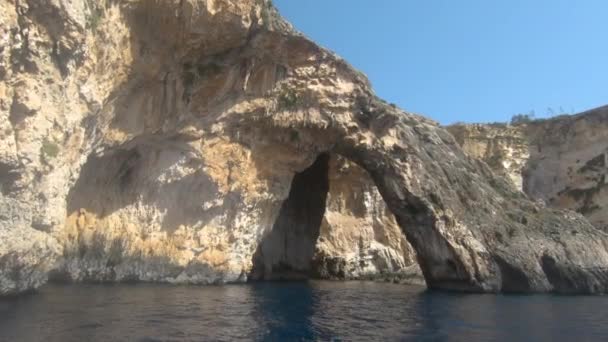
{"points": [[295, 311]]}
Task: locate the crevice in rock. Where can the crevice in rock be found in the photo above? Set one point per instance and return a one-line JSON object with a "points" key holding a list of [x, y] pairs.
{"points": [[9, 176], [286, 253], [18, 113]]}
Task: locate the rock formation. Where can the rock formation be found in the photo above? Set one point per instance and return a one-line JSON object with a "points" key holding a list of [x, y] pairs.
{"points": [[561, 161], [162, 140], [359, 235], [335, 225]]}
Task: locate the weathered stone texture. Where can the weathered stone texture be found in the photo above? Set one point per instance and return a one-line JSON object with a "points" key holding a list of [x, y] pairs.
{"points": [[562, 161], [158, 141]]}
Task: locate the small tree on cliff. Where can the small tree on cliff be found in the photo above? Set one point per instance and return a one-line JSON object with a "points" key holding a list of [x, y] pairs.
{"points": [[522, 118]]}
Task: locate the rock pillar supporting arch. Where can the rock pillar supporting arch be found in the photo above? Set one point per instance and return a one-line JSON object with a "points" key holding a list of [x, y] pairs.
{"points": [[443, 263]]}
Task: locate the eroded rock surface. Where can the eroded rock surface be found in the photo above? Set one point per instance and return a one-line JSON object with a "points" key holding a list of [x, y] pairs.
{"points": [[158, 141], [359, 236], [26, 255], [562, 161], [335, 225]]}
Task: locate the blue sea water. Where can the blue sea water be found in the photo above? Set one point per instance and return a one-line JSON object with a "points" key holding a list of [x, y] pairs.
{"points": [[326, 311]]}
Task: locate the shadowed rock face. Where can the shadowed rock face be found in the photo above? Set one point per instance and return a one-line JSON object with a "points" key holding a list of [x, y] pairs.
{"points": [[287, 251], [159, 140]]}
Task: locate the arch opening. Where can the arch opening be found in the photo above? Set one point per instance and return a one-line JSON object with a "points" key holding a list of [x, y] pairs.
{"points": [[287, 251], [335, 225]]}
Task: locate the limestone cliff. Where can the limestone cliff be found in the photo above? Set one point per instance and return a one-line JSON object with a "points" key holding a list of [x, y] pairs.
{"points": [[166, 140], [503, 147], [561, 161]]}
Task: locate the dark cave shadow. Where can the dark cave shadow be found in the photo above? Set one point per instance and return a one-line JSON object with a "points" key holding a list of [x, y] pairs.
{"points": [[286, 252]]}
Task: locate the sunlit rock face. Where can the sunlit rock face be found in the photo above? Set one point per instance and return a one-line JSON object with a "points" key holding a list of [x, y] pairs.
{"points": [[561, 161], [160, 140], [359, 235], [504, 148]]}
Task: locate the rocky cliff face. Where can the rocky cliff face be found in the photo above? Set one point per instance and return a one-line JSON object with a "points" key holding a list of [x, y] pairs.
{"points": [[561, 161], [335, 224], [503, 147], [175, 140], [359, 235]]}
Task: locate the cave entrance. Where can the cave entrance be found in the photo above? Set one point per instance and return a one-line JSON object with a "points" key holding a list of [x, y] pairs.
{"points": [[286, 253]]}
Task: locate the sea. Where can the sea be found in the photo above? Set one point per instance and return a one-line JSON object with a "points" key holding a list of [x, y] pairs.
{"points": [[295, 311]]}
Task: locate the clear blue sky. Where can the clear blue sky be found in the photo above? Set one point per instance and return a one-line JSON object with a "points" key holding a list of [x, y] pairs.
{"points": [[468, 60]]}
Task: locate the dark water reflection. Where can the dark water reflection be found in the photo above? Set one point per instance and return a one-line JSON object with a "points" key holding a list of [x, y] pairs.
{"points": [[295, 311]]}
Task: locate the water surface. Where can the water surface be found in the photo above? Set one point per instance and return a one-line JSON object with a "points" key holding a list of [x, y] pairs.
{"points": [[361, 311]]}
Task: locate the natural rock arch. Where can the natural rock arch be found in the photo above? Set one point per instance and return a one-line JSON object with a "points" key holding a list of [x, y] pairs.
{"points": [[494, 249], [225, 99], [334, 225]]}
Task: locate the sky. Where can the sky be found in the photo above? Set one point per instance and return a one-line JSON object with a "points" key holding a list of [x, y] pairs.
{"points": [[469, 60]]}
